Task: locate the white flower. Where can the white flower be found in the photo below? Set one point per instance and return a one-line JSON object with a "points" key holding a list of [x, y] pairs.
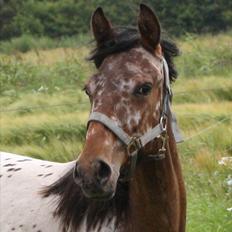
{"points": [[226, 161], [42, 89], [229, 182], [229, 209]]}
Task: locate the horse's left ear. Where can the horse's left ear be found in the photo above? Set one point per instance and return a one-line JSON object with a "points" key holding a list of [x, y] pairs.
{"points": [[101, 27], [149, 28]]}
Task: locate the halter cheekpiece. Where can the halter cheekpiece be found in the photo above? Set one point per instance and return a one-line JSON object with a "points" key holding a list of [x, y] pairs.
{"points": [[135, 143]]}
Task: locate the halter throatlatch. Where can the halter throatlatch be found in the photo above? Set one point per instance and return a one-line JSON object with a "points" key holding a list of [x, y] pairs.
{"points": [[135, 143]]}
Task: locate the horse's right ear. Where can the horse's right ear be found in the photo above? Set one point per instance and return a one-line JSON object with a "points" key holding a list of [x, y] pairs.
{"points": [[101, 27]]}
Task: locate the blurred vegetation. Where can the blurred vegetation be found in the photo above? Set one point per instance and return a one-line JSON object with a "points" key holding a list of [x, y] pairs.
{"points": [[43, 111], [43, 114], [61, 18], [28, 42], [205, 55]]}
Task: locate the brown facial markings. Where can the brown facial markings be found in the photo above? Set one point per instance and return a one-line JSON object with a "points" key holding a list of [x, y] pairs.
{"points": [[112, 92]]}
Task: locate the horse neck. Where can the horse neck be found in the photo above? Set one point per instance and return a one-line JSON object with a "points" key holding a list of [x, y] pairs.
{"points": [[154, 194]]}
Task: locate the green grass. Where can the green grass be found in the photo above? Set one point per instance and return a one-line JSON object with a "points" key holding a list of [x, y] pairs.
{"points": [[43, 114], [26, 43], [205, 55]]}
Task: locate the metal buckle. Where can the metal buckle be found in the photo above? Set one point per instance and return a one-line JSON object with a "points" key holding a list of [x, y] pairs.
{"points": [[159, 156], [162, 150], [134, 145], [163, 123]]}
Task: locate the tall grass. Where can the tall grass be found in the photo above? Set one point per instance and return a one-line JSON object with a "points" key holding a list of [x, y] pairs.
{"points": [[205, 55], [198, 58], [28, 42]]}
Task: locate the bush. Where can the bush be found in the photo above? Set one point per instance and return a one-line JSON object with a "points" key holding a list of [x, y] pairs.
{"points": [[69, 17]]}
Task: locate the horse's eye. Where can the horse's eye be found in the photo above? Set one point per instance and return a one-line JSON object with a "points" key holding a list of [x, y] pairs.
{"points": [[143, 90], [86, 91]]}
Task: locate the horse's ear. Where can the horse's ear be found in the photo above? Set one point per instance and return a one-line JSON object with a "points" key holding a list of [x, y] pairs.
{"points": [[101, 27], [149, 28]]}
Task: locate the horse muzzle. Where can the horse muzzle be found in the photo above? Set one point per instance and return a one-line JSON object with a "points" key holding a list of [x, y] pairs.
{"points": [[96, 182]]}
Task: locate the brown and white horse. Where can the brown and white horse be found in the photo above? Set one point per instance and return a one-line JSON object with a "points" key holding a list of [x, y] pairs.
{"points": [[115, 185]]}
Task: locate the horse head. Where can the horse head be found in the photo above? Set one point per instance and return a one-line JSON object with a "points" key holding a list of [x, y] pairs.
{"points": [[128, 90]]}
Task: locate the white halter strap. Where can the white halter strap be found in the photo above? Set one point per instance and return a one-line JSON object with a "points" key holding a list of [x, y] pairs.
{"points": [[135, 143]]}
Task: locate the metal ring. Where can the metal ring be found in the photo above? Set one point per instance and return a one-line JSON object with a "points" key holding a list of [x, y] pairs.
{"points": [[134, 145], [163, 123]]}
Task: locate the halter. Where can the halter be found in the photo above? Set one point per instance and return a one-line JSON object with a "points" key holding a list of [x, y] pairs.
{"points": [[135, 143]]}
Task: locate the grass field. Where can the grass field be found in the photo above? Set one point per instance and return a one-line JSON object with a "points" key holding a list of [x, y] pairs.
{"points": [[43, 114]]}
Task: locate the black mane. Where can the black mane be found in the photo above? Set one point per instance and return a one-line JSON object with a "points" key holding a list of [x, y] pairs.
{"points": [[73, 207], [127, 38]]}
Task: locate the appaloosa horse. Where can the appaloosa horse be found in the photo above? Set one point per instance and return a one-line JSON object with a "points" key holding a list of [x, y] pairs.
{"points": [[128, 176]]}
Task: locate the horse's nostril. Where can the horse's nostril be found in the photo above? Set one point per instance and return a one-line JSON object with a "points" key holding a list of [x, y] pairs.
{"points": [[103, 171], [77, 174]]}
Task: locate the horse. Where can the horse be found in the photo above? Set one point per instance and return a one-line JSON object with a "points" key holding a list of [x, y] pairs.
{"points": [[128, 177]]}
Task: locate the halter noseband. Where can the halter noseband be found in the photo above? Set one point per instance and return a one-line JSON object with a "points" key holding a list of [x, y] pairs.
{"points": [[135, 143]]}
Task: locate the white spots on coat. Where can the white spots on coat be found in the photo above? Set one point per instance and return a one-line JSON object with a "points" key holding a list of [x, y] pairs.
{"points": [[92, 86], [156, 63], [101, 82], [134, 68], [113, 118], [98, 103], [133, 120], [110, 66], [91, 131], [99, 92], [107, 142], [128, 85], [137, 117], [157, 110]]}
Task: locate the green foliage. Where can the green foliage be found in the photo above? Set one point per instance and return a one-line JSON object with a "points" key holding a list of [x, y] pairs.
{"points": [[28, 42], [20, 76], [70, 17], [200, 57]]}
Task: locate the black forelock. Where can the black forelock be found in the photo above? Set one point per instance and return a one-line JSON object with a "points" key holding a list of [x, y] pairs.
{"points": [[126, 38]]}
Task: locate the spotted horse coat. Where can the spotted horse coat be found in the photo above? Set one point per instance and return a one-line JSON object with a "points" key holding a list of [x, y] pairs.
{"points": [[22, 209]]}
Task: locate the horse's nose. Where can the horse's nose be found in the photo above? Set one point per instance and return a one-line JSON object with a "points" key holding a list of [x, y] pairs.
{"points": [[102, 171], [78, 174]]}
